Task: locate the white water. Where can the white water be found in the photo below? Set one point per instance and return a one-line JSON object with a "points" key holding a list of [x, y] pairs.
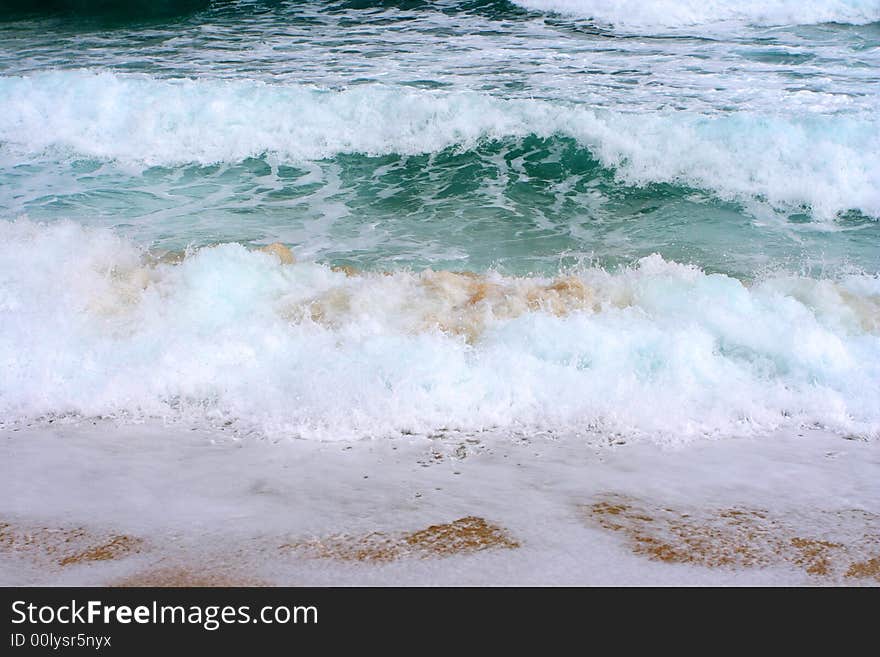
{"points": [[651, 14], [229, 335], [824, 164], [222, 509]]}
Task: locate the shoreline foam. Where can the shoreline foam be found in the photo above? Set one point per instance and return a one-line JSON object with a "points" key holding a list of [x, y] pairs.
{"points": [[198, 508]]}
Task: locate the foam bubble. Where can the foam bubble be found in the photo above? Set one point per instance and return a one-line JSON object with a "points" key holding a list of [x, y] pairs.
{"points": [[92, 326]]}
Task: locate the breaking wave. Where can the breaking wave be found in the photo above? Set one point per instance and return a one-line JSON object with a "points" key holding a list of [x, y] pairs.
{"points": [[93, 326], [822, 164], [652, 14]]}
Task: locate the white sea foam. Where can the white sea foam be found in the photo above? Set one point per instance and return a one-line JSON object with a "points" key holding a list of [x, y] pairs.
{"points": [[827, 164], [650, 14], [660, 350]]}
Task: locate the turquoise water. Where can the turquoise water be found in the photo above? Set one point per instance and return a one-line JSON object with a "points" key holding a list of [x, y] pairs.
{"points": [[708, 172], [523, 198]]}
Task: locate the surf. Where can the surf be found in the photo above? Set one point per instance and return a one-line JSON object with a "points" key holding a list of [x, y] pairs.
{"points": [[826, 165], [654, 14], [94, 326]]}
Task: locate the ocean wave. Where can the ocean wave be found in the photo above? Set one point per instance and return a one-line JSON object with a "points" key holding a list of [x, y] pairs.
{"points": [[650, 14], [822, 164], [93, 326]]}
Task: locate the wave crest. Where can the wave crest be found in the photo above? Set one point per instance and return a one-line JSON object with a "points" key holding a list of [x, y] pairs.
{"points": [[826, 165], [651, 14], [90, 325]]}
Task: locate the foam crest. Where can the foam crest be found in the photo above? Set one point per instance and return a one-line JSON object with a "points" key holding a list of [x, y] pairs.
{"points": [[652, 14], [826, 165], [92, 326]]}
